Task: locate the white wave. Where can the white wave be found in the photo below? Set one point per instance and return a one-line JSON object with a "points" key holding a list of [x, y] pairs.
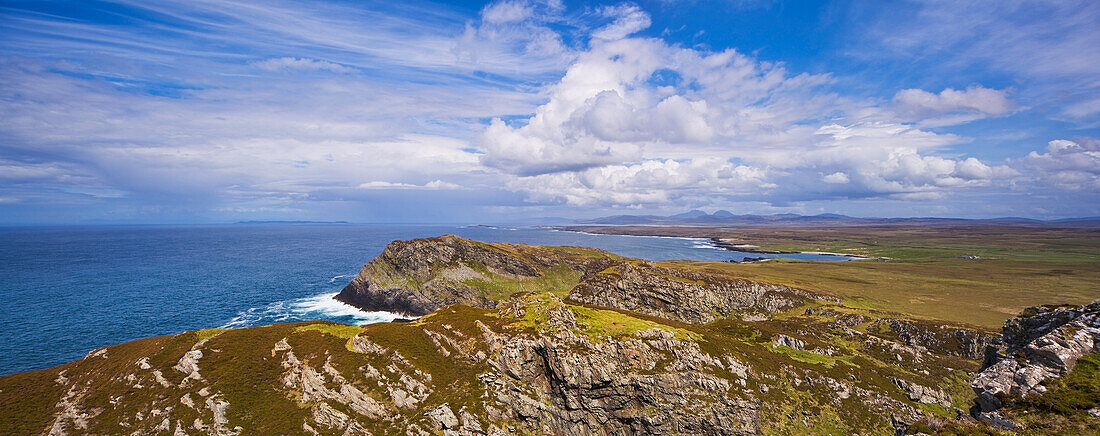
{"points": [[323, 307], [706, 246], [341, 276]]}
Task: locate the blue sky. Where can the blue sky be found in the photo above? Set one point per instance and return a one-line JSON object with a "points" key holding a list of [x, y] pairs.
{"points": [[197, 111]]}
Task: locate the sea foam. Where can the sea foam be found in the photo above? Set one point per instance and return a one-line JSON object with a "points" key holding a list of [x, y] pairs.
{"points": [[322, 307]]}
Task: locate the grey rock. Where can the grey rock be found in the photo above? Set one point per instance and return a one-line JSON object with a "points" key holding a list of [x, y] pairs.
{"points": [[1043, 345], [684, 296], [789, 342], [443, 417]]}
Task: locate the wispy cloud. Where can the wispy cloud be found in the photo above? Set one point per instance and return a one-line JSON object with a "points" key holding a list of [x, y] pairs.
{"points": [[1053, 46], [291, 64], [203, 107]]}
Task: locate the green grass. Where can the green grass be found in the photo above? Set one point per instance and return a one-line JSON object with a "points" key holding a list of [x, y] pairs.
{"points": [[205, 334], [607, 323], [339, 330], [1073, 394], [813, 358], [1019, 266], [557, 280], [983, 293]]}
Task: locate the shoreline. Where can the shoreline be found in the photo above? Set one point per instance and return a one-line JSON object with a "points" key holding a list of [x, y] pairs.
{"points": [[717, 243]]}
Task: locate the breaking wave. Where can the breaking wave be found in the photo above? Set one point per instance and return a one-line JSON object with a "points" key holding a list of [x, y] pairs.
{"points": [[322, 307]]}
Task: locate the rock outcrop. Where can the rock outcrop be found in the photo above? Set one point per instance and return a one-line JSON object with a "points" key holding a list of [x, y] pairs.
{"points": [[946, 339], [683, 295], [649, 382], [419, 276], [1043, 343]]}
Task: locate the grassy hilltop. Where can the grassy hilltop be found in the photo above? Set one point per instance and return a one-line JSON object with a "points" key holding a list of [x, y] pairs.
{"points": [[1017, 267]]}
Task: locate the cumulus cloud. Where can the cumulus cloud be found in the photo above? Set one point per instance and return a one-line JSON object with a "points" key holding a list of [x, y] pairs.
{"points": [[640, 121], [952, 106], [836, 178], [607, 108], [1068, 165], [652, 182]]}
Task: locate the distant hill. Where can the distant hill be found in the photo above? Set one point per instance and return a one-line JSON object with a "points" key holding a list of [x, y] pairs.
{"points": [[726, 218]]}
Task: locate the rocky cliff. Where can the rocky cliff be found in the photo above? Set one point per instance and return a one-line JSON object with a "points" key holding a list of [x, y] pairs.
{"points": [[684, 295], [1039, 347], [419, 276], [549, 340]]}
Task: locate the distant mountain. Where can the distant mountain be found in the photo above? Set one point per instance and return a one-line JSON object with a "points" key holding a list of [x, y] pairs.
{"points": [[691, 214], [727, 218]]}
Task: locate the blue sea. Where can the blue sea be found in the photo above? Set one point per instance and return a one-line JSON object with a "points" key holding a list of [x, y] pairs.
{"points": [[69, 290]]}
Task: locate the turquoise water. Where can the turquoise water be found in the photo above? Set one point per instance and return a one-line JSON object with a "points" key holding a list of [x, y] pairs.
{"points": [[69, 290]]}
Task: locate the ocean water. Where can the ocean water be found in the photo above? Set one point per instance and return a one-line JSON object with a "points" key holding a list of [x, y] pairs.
{"points": [[69, 290]]}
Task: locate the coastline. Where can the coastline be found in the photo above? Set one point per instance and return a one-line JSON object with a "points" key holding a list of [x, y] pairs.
{"points": [[717, 242]]}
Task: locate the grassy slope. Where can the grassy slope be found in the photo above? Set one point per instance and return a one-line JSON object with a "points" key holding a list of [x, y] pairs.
{"points": [[240, 365], [1019, 267]]}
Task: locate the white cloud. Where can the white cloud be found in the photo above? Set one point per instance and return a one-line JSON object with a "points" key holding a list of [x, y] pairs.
{"points": [[652, 182], [1067, 165], [627, 20], [439, 184], [1048, 45], [626, 108], [607, 110], [434, 184], [953, 106], [838, 177], [506, 12], [300, 64]]}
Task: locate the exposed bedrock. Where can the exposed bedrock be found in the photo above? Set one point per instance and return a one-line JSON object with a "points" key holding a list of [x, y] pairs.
{"points": [[419, 276], [685, 296], [1043, 343]]}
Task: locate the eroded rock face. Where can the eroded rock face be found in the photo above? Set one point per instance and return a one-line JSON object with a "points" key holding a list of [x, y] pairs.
{"points": [[1044, 344], [419, 276], [950, 340], [565, 383], [684, 296]]}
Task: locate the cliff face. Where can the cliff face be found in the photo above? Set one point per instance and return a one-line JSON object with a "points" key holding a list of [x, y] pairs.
{"points": [[419, 276]]}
